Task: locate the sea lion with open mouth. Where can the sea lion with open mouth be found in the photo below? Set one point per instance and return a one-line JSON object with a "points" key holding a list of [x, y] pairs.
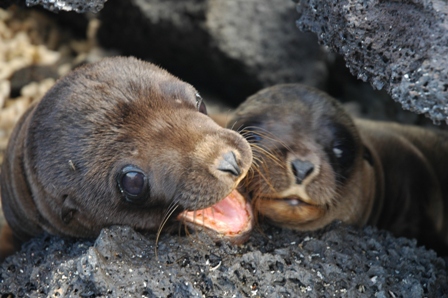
{"points": [[314, 164], [121, 142]]}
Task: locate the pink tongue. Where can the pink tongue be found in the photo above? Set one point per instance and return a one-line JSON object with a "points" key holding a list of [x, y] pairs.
{"points": [[231, 216]]}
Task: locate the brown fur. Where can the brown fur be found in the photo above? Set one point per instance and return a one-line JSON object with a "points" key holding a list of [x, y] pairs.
{"points": [[61, 166], [390, 175]]}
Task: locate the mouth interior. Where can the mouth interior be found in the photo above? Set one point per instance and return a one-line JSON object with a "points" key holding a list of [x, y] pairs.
{"points": [[230, 217]]}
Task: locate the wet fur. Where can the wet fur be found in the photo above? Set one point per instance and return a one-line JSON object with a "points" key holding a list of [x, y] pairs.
{"points": [[395, 176], [60, 169]]}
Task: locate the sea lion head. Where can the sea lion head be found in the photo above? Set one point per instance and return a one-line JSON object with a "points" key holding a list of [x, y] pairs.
{"points": [[309, 161], [122, 141]]}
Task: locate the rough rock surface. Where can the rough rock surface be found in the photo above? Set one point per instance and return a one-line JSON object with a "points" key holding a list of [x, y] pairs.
{"points": [[337, 261], [400, 46], [80, 6], [232, 47]]}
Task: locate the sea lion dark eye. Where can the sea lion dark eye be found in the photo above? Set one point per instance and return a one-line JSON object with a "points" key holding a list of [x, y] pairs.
{"points": [[342, 151], [200, 105], [133, 184], [343, 145], [252, 137], [251, 132]]}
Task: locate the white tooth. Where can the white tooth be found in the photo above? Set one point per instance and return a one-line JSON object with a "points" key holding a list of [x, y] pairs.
{"points": [[293, 202]]}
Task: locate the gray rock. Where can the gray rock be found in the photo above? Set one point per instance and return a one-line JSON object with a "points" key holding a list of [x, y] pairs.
{"points": [[399, 46], [337, 261], [232, 48], [80, 6]]}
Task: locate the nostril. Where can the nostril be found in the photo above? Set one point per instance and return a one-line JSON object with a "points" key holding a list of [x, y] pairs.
{"points": [[301, 169], [228, 164]]}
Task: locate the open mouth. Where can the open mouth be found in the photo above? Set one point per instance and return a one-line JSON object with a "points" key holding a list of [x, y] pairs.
{"points": [[291, 200], [231, 217]]}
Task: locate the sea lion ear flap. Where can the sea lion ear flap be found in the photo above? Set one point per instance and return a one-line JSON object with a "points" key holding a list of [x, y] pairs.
{"points": [[68, 209], [367, 155]]}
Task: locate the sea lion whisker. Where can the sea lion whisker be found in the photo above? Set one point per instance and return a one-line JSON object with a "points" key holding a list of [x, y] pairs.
{"points": [[266, 180], [247, 131], [258, 150], [171, 209], [194, 219], [275, 159], [261, 153], [239, 129], [265, 134], [256, 161]]}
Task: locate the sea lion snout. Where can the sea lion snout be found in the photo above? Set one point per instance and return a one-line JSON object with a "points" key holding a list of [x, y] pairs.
{"points": [[304, 166], [232, 164], [232, 155], [301, 169], [228, 164]]}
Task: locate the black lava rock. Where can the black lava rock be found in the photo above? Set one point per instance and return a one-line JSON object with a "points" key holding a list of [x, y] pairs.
{"points": [[400, 46], [338, 260]]}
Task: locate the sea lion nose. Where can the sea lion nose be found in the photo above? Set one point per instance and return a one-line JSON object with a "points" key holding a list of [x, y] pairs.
{"points": [[301, 169], [228, 164]]}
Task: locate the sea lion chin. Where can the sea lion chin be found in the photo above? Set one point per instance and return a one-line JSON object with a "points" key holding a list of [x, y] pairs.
{"points": [[120, 141], [314, 164]]}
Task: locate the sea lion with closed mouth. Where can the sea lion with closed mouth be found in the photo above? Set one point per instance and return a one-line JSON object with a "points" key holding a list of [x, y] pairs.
{"points": [[122, 142], [314, 164]]}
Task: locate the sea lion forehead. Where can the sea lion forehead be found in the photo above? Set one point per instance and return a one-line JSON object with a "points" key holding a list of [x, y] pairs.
{"points": [[284, 103], [167, 84], [311, 108], [272, 101], [136, 78]]}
